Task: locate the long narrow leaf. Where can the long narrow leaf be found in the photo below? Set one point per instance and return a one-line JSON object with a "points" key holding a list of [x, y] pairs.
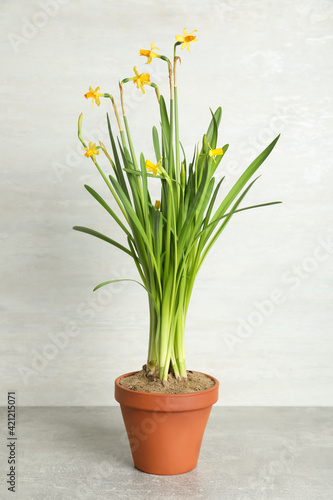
{"points": [[120, 175], [156, 144], [215, 122], [164, 120], [225, 222], [107, 208], [244, 178], [101, 236], [117, 281], [260, 205]]}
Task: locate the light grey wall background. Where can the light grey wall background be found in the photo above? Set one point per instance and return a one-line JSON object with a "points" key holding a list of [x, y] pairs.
{"points": [[261, 314]]}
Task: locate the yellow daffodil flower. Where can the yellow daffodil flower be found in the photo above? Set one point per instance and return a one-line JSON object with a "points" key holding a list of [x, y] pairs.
{"points": [[91, 150], [186, 39], [141, 80], [156, 169], [94, 95], [157, 204], [215, 152], [149, 53]]}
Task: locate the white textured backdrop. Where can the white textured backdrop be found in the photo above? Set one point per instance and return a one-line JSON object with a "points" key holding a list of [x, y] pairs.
{"points": [[261, 313]]}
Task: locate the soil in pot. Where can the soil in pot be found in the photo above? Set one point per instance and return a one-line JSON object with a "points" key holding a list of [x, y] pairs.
{"points": [[144, 382]]}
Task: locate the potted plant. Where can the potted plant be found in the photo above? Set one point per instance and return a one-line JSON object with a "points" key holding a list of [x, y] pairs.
{"points": [[165, 407]]}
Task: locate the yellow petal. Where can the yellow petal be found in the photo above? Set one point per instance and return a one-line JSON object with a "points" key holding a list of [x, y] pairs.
{"points": [[150, 165], [217, 152]]}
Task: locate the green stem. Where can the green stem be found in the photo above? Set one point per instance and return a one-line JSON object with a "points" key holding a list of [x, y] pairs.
{"points": [[157, 90], [152, 353], [178, 176], [180, 327], [176, 124]]}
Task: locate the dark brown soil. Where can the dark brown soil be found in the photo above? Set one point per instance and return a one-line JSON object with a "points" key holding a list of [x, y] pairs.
{"points": [[144, 382]]}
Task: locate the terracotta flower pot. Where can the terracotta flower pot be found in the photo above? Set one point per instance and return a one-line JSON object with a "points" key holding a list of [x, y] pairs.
{"points": [[165, 430]]}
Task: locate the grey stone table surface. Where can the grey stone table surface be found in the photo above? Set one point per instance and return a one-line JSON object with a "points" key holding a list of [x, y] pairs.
{"points": [[279, 453]]}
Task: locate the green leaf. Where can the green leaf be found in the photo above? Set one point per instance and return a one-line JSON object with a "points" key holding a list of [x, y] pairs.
{"points": [[192, 209], [116, 281], [165, 120], [156, 144], [183, 150], [213, 141], [213, 126], [120, 176], [139, 173], [134, 218], [227, 219], [237, 211], [146, 197], [133, 182], [107, 208], [244, 178], [218, 159], [211, 205], [158, 238], [101, 236]]}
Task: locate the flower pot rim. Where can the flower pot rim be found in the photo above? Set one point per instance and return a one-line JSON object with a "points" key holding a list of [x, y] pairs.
{"points": [[187, 401]]}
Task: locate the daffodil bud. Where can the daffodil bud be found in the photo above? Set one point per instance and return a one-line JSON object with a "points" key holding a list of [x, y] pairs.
{"points": [[204, 143], [79, 124]]}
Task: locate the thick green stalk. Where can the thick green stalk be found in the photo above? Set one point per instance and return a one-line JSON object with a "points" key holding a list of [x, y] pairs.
{"points": [[180, 327], [166, 313], [153, 326], [175, 366]]}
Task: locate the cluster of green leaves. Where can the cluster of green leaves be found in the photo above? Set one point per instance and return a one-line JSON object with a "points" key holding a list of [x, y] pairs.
{"points": [[169, 244]]}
